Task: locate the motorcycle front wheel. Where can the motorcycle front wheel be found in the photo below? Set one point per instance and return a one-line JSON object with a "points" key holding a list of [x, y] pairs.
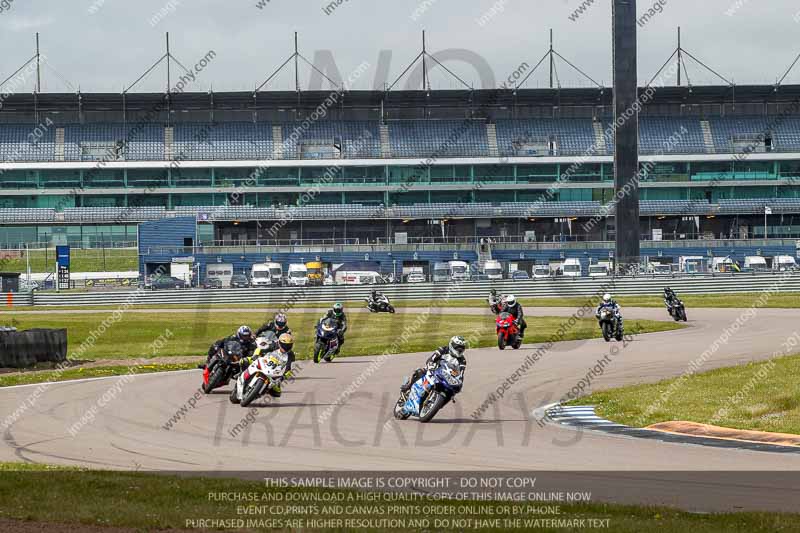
{"points": [[318, 349], [501, 341], [398, 407], [683, 315], [391, 309], [215, 379], [251, 393], [606, 327], [234, 397], [431, 406]]}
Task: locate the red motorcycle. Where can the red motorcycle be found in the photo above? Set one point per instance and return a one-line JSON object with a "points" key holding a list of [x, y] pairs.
{"points": [[507, 332]]}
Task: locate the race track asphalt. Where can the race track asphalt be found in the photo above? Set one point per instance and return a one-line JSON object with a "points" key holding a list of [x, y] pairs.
{"points": [[316, 426]]}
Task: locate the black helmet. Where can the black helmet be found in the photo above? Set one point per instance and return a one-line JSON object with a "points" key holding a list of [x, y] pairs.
{"points": [[338, 309], [280, 321], [244, 334]]}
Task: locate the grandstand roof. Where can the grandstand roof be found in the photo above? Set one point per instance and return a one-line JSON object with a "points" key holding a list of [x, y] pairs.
{"points": [[480, 98]]}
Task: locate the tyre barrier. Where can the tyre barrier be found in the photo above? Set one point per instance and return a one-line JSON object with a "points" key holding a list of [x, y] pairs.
{"points": [[540, 288], [21, 349]]}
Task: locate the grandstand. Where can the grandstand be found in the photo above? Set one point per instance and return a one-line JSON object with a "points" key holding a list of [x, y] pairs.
{"points": [[433, 165]]}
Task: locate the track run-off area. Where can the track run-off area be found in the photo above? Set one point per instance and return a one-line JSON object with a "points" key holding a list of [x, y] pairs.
{"points": [[339, 417]]}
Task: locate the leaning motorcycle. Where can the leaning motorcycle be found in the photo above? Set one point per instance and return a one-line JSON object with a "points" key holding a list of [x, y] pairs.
{"points": [[677, 311], [610, 325], [381, 305], [222, 366], [431, 392], [507, 331], [263, 375], [326, 345]]}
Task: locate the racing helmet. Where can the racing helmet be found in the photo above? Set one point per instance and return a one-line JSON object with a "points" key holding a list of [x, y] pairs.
{"points": [[511, 300], [606, 298], [286, 342], [457, 346], [338, 309], [244, 334], [280, 321]]}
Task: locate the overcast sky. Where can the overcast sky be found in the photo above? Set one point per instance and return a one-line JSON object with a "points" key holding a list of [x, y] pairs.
{"points": [[104, 45]]}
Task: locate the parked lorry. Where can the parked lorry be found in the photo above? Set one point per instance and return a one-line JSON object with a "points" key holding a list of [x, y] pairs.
{"points": [[493, 269], [314, 272], [692, 264], [572, 268], [441, 272], [783, 263], [260, 275], [275, 273], [755, 262], [297, 275], [459, 270]]}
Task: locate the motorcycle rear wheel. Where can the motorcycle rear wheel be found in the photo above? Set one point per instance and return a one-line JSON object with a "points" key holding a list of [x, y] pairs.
{"points": [[431, 406], [234, 397], [683, 315], [252, 393], [517, 343]]}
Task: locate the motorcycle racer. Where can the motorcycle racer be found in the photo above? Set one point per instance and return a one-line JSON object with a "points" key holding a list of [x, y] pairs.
{"points": [[455, 348], [244, 336], [336, 312], [514, 308], [610, 303], [278, 325], [285, 346]]}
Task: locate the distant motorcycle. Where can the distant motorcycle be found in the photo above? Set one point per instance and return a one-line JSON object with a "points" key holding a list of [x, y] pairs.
{"points": [[222, 366], [326, 345], [496, 304], [381, 305], [432, 391], [507, 331], [677, 310], [264, 374], [610, 325]]}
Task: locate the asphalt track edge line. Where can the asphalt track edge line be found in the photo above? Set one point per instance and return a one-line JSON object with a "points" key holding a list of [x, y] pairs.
{"points": [[83, 380]]}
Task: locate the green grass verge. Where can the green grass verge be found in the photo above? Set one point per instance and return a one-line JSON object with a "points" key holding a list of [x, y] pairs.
{"points": [[27, 378], [151, 502], [134, 335], [783, 300], [761, 396], [91, 260]]}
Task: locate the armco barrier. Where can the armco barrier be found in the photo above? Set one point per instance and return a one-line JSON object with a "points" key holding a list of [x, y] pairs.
{"points": [[11, 299], [540, 288]]}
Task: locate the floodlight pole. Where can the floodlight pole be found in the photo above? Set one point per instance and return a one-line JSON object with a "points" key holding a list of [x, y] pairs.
{"points": [[679, 56], [552, 64], [168, 58], [424, 65], [38, 66]]}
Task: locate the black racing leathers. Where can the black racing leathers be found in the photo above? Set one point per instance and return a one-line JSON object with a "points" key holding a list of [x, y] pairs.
{"points": [[519, 315], [432, 360]]}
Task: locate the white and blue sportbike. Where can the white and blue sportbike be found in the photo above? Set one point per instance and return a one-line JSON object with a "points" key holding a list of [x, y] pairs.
{"points": [[435, 389]]}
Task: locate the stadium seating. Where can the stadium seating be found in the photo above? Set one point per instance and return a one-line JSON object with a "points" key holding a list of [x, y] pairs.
{"points": [[406, 139]]}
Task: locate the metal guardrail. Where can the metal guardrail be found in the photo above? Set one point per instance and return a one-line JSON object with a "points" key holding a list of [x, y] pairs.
{"points": [[11, 299], [540, 288]]}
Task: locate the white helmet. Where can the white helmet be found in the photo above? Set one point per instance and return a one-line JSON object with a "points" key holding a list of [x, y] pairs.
{"points": [[511, 300], [457, 346], [606, 298]]}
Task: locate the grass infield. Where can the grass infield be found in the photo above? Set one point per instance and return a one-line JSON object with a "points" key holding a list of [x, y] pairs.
{"points": [[67, 496], [135, 334], [761, 396]]}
